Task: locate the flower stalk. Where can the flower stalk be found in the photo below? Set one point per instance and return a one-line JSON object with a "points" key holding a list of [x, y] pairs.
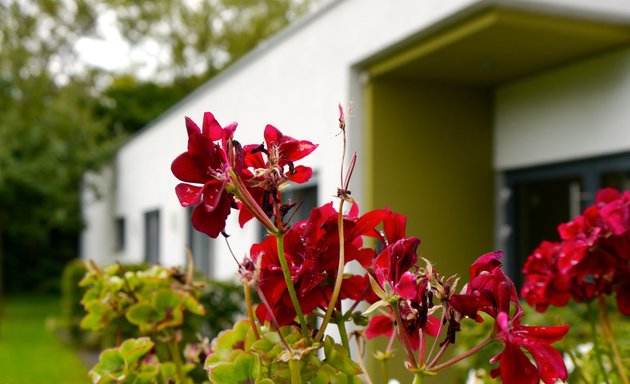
{"points": [[339, 279], [290, 287], [608, 335]]}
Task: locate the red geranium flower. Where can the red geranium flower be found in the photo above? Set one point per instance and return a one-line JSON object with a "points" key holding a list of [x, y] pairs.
{"points": [[265, 176], [312, 251], [514, 366], [591, 260], [489, 289], [205, 163], [384, 325]]}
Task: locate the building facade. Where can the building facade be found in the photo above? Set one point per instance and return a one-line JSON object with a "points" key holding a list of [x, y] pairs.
{"points": [[485, 122]]}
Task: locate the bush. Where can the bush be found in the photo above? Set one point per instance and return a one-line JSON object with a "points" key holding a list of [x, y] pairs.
{"points": [[71, 309]]}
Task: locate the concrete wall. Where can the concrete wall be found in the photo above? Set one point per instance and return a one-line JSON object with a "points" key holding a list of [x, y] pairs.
{"points": [[573, 112]]}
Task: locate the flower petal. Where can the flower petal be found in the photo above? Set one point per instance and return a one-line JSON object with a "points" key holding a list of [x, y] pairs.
{"points": [[185, 169], [379, 325], [188, 194], [212, 223]]}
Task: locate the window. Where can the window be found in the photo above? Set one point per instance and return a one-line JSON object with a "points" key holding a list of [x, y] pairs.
{"points": [[540, 198], [152, 237], [119, 234], [200, 247], [305, 197]]}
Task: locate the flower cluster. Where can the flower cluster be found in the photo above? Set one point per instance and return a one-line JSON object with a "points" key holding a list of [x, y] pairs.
{"points": [[300, 270], [226, 171], [492, 292], [591, 260]]}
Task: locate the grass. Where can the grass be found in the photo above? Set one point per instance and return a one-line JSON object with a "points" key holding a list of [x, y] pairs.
{"points": [[31, 353]]}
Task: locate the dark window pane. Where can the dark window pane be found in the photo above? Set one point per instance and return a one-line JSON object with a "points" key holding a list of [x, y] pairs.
{"points": [[152, 237]]}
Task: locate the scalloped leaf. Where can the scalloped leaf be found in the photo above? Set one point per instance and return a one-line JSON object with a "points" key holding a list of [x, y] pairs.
{"points": [[132, 350], [244, 370], [226, 342]]}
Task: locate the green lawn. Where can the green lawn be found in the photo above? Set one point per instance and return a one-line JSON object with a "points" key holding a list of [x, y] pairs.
{"points": [[31, 353]]}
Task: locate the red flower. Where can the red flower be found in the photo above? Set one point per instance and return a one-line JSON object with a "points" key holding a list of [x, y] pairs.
{"points": [[591, 260], [399, 254], [266, 176], [205, 163], [384, 325], [489, 289], [312, 251], [492, 292], [514, 366]]}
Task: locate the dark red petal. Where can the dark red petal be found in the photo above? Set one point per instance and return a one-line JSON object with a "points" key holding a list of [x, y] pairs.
{"points": [[550, 363], [487, 262], [212, 193], [191, 127], [301, 174], [368, 221], [549, 334], [606, 195], [394, 227], [623, 298], [211, 127], [294, 150], [188, 194], [407, 288], [432, 328], [185, 169], [515, 367], [212, 223], [272, 135], [379, 325], [354, 287], [244, 215]]}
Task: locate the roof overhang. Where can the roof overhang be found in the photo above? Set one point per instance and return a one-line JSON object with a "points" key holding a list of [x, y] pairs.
{"points": [[499, 45]]}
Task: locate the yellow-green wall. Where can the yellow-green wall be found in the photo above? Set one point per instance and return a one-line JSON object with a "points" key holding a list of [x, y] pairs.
{"points": [[429, 149]]}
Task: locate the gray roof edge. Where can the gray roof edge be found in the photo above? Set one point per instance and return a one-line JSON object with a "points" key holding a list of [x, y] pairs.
{"points": [[237, 66]]}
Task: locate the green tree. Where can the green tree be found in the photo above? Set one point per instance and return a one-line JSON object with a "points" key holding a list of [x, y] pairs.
{"points": [[56, 123], [48, 137]]}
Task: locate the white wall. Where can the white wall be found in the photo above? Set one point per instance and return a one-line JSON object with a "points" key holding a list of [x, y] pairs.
{"points": [[573, 112], [294, 83]]}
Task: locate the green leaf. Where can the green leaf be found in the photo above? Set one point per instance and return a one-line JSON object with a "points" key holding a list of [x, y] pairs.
{"points": [[193, 306], [377, 288], [133, 349], [226, 342], [110, 365], [168, 370], [375, 306], [144, 316], [244, 370], [165, 300], [337, 356]]}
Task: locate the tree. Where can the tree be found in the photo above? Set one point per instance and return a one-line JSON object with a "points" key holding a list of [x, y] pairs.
{"points": [[48, 133], [57, 120]]}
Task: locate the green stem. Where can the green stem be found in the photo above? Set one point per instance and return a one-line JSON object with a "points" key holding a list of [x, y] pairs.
{"points": [[250, 311], [384, 371], [608, 335], [417, 378], [598, 353], [173, 347], [343, 334], [290, 287], [464, 355], [339, 279], [296, 375]]}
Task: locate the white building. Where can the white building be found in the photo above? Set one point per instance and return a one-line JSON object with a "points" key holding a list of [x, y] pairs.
{"points": [[486, 122]]}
